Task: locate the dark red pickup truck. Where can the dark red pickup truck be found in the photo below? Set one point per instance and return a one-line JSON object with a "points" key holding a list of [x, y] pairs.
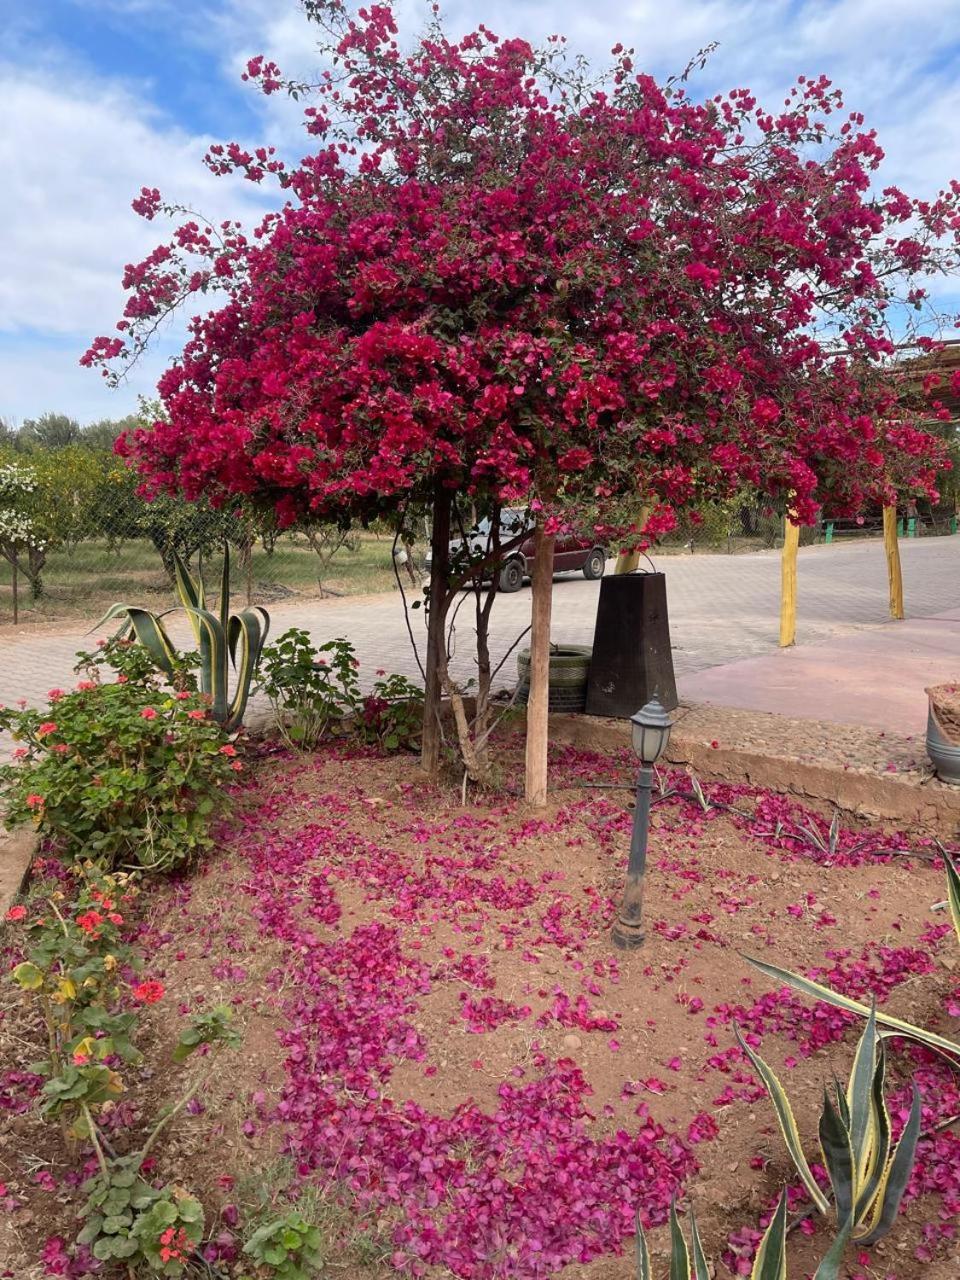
{"points": [[572, 552]]}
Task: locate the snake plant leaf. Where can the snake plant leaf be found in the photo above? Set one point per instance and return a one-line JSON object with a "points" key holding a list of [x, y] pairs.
{"points": [[829, 1268], [838, 1156], [788, 1125], [213, 660], [771, 1260], [889, 1026], [700, 1269], [190, 591], [225, 587], [149, 629], [679, 1255], [897, 1175], [842, 1106], [953, 891], [246, 636], [881, 1148], [644, 1271], [860, 1098]]}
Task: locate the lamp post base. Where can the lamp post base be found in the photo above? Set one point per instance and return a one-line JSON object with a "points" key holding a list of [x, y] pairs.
{"points": [[627, 937]]}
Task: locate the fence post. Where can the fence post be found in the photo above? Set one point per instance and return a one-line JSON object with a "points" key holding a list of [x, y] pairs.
{"points": [[953, 524], [912, 527], [828, 537]]}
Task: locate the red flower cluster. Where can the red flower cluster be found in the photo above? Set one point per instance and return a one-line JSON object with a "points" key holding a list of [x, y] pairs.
{"points": [[148, 992], [498, 274]]}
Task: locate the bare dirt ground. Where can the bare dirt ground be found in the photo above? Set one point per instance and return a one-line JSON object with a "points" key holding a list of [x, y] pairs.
{"points": [[439, 1038]]}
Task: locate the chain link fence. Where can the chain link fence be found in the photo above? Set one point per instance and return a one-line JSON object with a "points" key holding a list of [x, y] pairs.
{"points": [[75, 538]]}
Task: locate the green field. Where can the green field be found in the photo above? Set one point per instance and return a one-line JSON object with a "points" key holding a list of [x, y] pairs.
{"points": [[84, 581]]}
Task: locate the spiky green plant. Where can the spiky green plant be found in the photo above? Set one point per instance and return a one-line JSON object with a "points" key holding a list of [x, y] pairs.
{"points": [[888, 1026], [223, 639], [770, 1263], [867, 1173]]}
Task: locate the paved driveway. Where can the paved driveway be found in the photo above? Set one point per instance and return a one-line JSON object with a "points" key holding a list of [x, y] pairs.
{"points": [[722, 609]]}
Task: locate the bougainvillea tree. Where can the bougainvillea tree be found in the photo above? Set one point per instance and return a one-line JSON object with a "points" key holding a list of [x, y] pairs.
{"points": [[502, 274]]}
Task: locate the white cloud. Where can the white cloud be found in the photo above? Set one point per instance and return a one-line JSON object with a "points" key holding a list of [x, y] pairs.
{"points": [[76, 148], [74, 152]]}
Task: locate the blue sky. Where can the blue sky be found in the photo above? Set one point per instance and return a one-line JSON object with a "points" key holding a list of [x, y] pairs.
{"points": [[102, 97]]}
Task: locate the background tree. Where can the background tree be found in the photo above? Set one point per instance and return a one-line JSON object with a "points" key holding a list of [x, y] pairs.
{"points": [[49, 431], [503, 274]]}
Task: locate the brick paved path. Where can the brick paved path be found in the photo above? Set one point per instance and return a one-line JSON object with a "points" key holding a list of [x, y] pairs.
{"points": [[722, 608]]}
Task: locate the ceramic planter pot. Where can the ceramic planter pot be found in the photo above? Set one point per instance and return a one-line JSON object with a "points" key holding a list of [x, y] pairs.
{"points": [[943, 751]]}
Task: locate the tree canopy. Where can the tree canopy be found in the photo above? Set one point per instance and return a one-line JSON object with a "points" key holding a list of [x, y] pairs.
{"points": [[502, 272]]}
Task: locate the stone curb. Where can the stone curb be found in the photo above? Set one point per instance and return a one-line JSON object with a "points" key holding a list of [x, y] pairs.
{"points": [[911, 800], [17, 850]]}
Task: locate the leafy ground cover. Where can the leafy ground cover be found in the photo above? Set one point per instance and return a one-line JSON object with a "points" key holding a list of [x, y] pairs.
{"points": [[444, 1054]]}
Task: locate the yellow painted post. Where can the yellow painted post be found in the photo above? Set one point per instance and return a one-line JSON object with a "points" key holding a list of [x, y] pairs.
{"points": [[788, 583], [627, 561], [894, 574]]}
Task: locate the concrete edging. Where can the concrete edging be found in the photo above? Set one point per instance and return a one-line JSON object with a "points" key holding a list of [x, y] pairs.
{"points": [[17, 851], [906, 799]]}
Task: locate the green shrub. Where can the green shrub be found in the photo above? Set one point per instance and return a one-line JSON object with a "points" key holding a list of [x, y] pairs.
{"points": [[311, 690], [287, 1248], [123, 773], [392, 714], [315, 692], [129, 1221]]}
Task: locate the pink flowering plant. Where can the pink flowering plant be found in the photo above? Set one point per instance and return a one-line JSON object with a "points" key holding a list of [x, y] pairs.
{"points": [[503, 272], [74, 958], [80, 970], [126, 773], [391, 714]]}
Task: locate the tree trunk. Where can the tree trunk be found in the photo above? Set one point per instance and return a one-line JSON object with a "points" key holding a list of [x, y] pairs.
{"points": [[16, 590], [436, 631], [894, 573], [788, 583], [36, 559], [535, 776]]}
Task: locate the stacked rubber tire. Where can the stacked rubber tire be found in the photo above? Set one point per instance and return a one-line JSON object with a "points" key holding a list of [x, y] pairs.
{"points": [[569, 668]]}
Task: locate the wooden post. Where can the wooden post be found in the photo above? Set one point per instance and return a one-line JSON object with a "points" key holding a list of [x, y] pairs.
{"points": [[436, 627], [535, 773], [892, 548], [788, 583]]}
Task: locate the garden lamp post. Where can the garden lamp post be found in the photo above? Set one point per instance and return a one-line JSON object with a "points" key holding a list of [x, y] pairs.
{"points": [[651, 732]]}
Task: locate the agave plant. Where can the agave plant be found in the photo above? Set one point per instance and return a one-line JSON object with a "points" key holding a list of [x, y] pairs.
{"points": [[223, 639], [888, 1026], [867, 1173], [770, 1262]]}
